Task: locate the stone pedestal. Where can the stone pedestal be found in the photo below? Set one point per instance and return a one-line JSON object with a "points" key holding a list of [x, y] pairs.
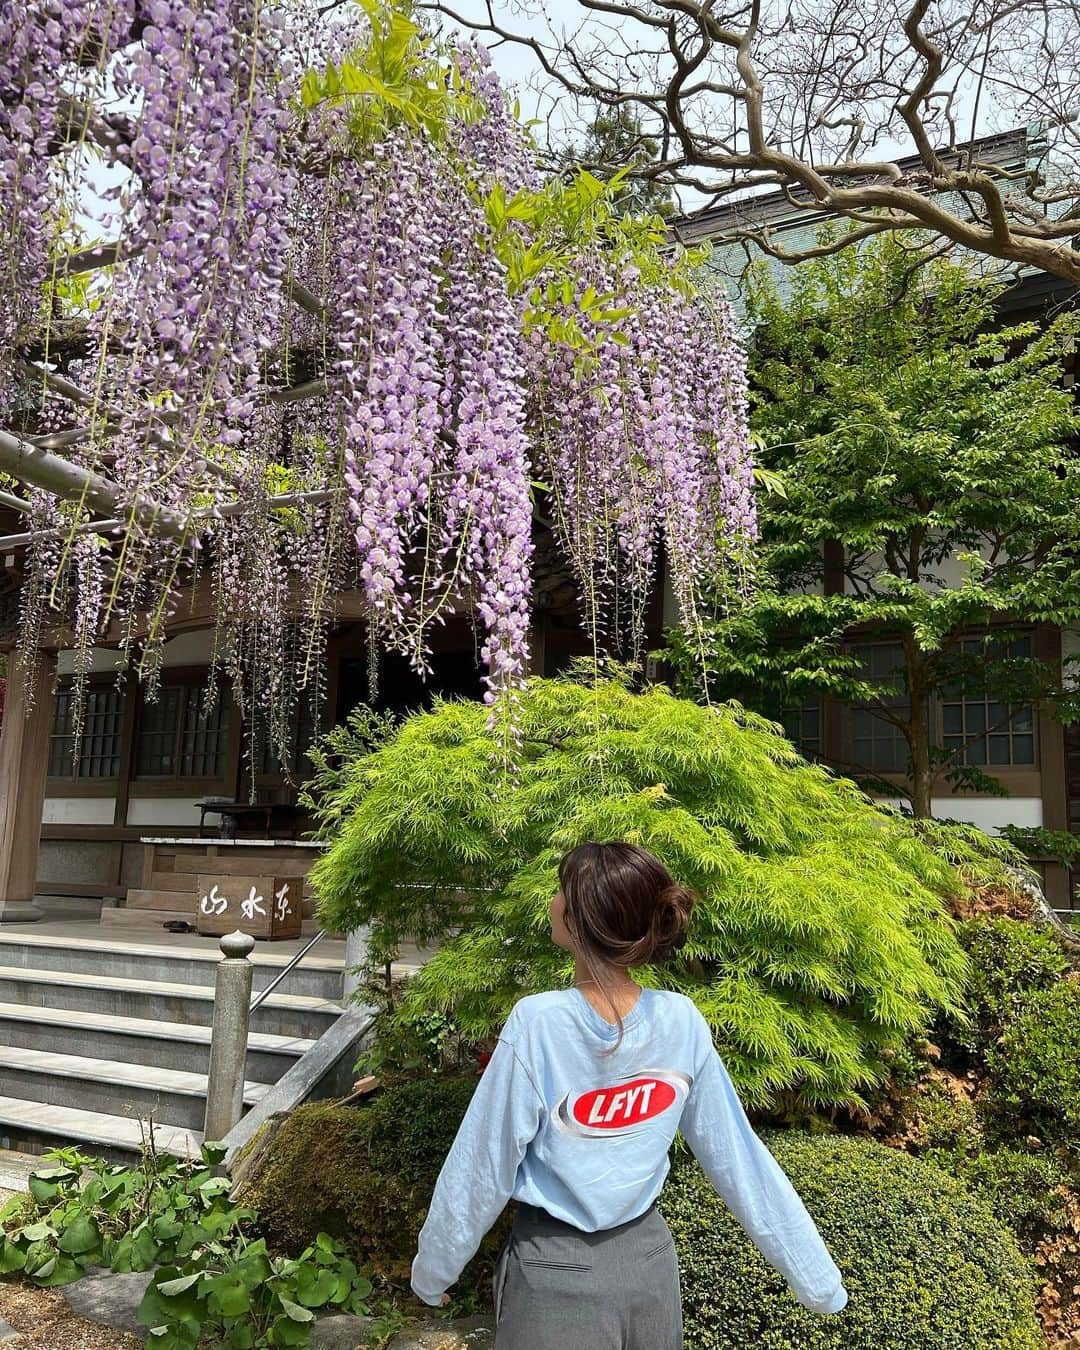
{"points": [[24, 759]]}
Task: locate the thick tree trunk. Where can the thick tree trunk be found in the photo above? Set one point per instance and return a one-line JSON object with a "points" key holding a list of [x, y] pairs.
{"points": [[922, 778]]}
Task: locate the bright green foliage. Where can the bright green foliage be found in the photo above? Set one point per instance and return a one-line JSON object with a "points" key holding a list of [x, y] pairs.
{"points": [[902, 428], [236, 1294], [1011, 962], [925, 1263], [981, 859], [401, 77], [820, 936], [1035, 1065], [83, 1212]]}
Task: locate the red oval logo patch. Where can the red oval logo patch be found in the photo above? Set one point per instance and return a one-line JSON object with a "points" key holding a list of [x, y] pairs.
{"points": [[609, 1108]]}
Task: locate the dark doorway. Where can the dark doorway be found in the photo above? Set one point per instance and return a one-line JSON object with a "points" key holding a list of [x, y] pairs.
{"points": [[401, 690]]}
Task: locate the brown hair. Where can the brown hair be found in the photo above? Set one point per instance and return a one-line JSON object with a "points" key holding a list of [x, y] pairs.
{"points": [[625, 908]]}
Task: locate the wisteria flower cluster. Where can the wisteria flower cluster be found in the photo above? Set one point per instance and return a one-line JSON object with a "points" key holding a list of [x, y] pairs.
{"points": [[309, 368]]}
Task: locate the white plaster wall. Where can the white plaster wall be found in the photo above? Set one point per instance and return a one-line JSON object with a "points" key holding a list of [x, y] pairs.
{"points": [[989, 813], [186, 649], [1070, 646], [102, 661], [163, 811], [189, 649], [78, 811], [950, 572]]}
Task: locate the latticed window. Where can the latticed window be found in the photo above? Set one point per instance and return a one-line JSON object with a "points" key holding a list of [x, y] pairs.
{"points": [[183, 733], [993, 732], [103, 729], [303, 731], [876, 743], [802, 722]]}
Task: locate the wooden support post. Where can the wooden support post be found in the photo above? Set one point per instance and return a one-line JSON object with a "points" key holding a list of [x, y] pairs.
{"points": [[24, 762]]}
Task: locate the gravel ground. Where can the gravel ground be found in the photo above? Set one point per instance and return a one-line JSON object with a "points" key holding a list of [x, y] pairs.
{"points": [[47, 1323]]}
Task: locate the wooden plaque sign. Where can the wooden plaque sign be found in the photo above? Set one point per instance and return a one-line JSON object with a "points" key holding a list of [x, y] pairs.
{"points": [[265, 907]]}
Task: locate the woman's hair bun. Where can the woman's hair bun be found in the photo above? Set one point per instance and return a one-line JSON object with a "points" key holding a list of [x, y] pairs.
{"points": [[671, 918]]}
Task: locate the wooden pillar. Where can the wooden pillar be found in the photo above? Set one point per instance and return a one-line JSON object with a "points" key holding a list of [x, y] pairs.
{"points": [[24, 762]]}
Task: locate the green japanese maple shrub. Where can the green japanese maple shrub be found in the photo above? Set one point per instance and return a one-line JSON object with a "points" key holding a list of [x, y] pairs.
{"points": [[820, 939]]}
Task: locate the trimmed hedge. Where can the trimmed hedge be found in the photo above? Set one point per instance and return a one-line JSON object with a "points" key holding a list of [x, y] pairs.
{"points": [[1010, 960], [1035, 1066], [925, 1263], [1019, 1187]]}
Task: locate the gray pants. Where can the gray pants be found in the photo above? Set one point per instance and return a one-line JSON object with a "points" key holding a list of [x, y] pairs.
{"points": [[616, 1289]]}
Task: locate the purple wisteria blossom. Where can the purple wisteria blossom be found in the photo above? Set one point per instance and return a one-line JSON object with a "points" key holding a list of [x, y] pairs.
{"points": [[267, 240]]}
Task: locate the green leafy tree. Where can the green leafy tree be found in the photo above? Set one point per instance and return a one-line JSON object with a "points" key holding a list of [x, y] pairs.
{"points": [[926, 456], [614, 143], [820, 940]]}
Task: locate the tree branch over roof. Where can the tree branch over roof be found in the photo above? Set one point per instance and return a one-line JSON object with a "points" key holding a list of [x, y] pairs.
{"points": [[856, 114]]}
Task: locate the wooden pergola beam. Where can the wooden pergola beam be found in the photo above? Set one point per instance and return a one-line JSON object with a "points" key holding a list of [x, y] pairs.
{"points": [[71, 482], [235, 508]]}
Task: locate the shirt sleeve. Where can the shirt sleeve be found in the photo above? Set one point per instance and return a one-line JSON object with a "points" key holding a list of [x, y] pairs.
{"points": [[478, 1176], [756, 1189]]}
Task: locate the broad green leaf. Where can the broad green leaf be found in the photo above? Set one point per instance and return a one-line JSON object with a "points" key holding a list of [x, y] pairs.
{"points": [[295, 1311], [170, 1288], [42, 1190], [12, 1258], [81, 1236], [64, 1271]]}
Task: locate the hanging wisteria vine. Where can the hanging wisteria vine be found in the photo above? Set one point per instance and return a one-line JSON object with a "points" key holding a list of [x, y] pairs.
{"points": [[339, 336]]}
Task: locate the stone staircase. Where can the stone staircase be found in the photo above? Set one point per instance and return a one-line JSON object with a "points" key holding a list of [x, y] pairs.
{"points": [[98, 1037]]}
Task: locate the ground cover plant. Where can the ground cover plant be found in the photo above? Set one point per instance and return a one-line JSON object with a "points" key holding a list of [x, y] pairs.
{"points": [[214, 1279]]}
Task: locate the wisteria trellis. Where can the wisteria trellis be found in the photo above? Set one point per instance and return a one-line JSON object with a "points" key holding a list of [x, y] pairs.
{"points": [[303, 363]]}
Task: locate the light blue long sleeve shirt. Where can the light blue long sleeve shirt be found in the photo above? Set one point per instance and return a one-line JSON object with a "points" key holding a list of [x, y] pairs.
{"points": [[553, 1124]]}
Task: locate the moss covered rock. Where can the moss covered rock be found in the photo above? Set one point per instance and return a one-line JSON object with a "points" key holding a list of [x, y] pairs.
{"points": [[365, 1175], [925, 1263]]}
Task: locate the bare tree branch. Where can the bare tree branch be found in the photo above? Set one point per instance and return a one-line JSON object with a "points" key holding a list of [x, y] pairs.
{"points": [[854, 112]]}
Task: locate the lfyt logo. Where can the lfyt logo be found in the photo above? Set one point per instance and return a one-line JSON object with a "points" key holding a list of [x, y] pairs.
{"points": [[624, 1108]]}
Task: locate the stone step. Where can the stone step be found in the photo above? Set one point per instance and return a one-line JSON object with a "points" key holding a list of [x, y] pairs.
{"points": [[134, 1040], [15, 1170], [140, 1091], [170, 900], [158, 953], [240, 863], [281, 1014], [149, 919], [35, 1126], [185, 882]]}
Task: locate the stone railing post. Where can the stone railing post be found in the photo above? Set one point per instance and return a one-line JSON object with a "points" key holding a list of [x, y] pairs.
{"points": [[356, 950], [229, 1036]]}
